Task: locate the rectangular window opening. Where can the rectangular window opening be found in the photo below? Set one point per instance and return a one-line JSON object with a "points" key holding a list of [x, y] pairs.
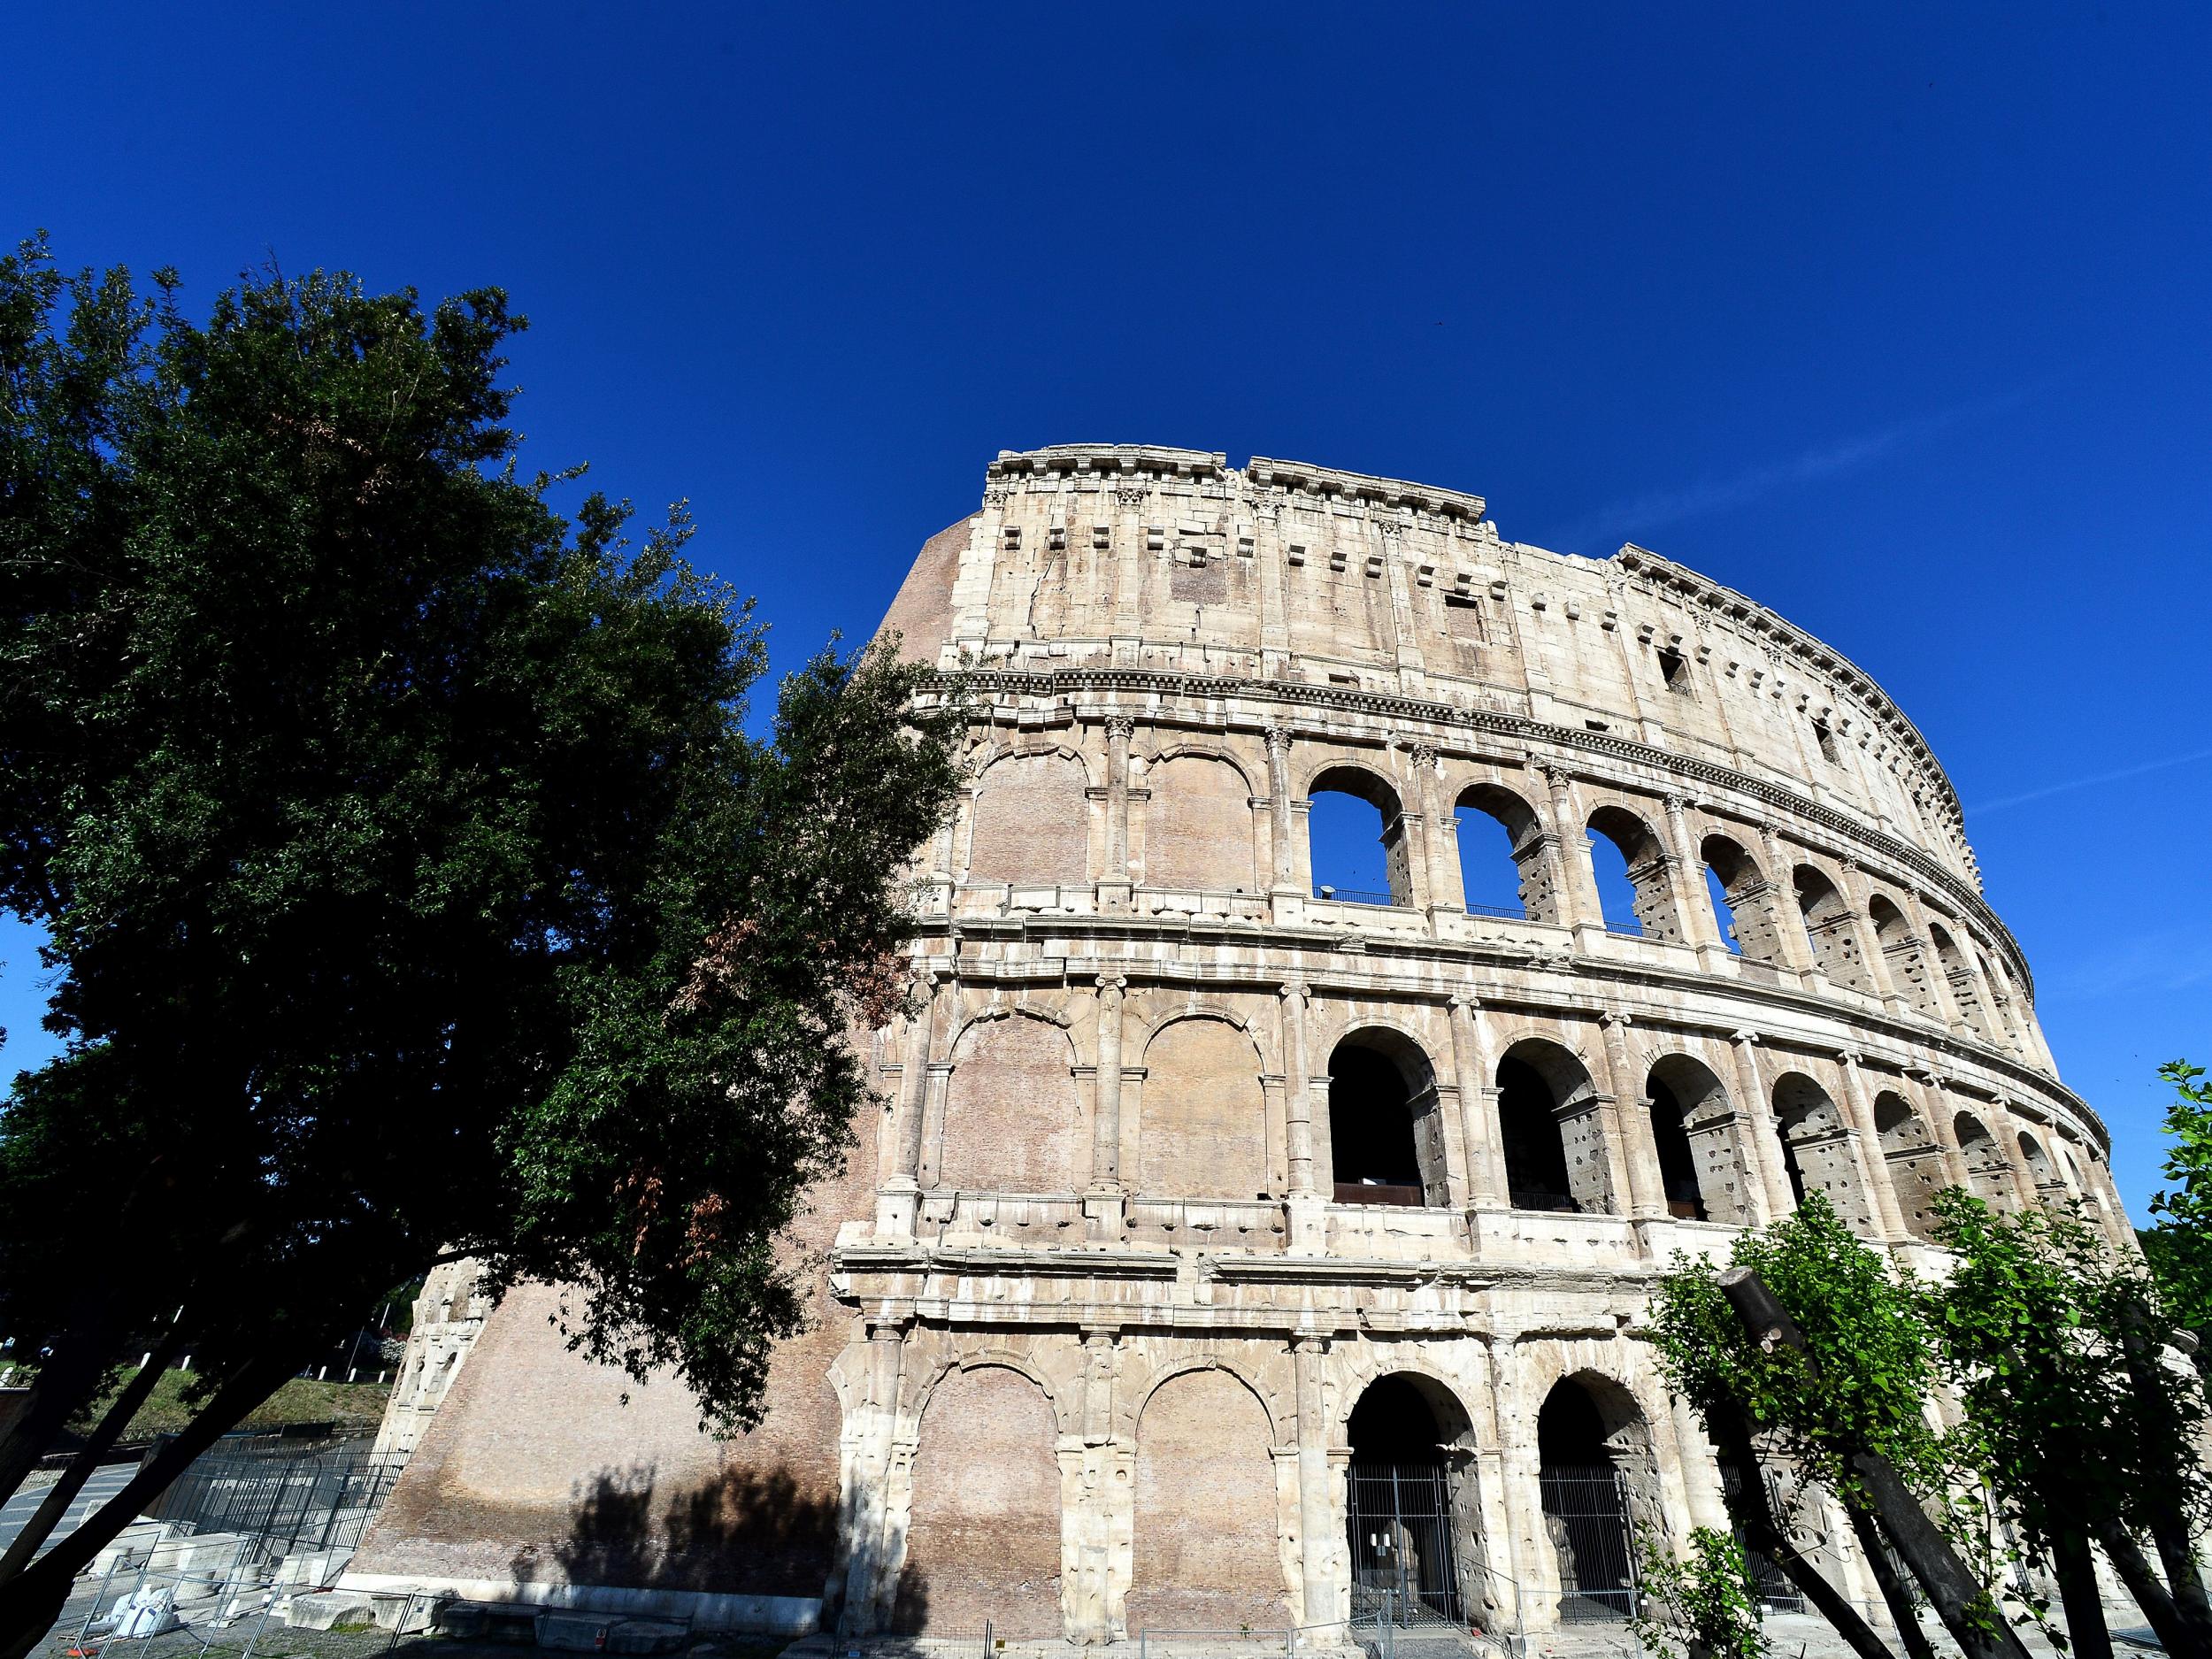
{"points": [[1674, 669]]}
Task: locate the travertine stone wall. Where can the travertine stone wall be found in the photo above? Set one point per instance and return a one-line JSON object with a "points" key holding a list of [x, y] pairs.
{"points": [[1103, 1289]]}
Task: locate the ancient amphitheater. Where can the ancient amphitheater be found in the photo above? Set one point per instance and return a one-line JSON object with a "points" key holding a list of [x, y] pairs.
{"points": [[1228, 1249]]}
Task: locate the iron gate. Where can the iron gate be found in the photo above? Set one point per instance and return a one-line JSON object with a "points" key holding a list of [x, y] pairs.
{"points": [[1774, 1585], [1585, 1510], [1401, 1528]]}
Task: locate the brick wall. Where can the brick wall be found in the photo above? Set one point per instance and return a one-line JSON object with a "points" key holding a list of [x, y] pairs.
{"points": [[1206, 1556]]}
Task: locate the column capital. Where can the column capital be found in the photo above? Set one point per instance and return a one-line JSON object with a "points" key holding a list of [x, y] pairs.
{"points": [[1110, 985], [1466, 1000], [1420, 753], [1294, 989], [1310, 1342], [1851, 1059], [1278, 738], [1745, 1037], [1617, 1020], [1121, 726]]}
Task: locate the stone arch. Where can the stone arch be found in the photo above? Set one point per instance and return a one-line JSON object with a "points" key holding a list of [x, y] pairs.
{"points": [[1030, 823], [1525, 843], [1915, 1161], [1413, 1508], [1552, 1140], [1013, 1112], [1198, 823], [1745, 904], [1951, 961], [1598, 1475], [924, 1387], [1906, 958], [1703, 1163], [1816, 1149], [1830, 927], [1280, 1426], [1643, 855], [983, 1535], [1201, 1113], [1363, 783], [1386, 1140], [1207, 1552], [1988, 1177], [2004, 1021], [2041, 1170]]}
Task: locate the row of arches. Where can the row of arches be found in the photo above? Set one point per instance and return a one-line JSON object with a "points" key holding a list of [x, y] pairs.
{"points": [[1198, 1121], [1031, 824], [1215, 1515]]}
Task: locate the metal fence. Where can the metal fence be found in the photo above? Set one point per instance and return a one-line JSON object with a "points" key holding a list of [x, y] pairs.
{"points": [[1401, 1527], [1585, 1507], [319, 1500], [1774, 1587]]}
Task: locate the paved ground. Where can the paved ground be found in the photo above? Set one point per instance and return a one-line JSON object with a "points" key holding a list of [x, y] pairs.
{"points": [[105, 1484]]}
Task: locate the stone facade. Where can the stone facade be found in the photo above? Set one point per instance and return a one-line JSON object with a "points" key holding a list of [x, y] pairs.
{"points": [[1193, 1194]]}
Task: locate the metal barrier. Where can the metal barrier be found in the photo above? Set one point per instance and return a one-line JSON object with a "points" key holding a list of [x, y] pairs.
{"points": [[1257, 1640], [1586, 1509], [312, 1501]]}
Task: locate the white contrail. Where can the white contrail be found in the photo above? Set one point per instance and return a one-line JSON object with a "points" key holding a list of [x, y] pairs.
{"points": [[1634, 518], [2083, 783]]}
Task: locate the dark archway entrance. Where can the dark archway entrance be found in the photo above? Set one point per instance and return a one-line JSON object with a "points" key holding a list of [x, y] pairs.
{"points": [[1385, 1134], [1535, 1156], [1585, 1507], [1410, 1515]]}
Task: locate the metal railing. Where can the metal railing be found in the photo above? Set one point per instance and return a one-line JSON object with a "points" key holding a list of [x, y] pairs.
{"points": [[1632, 929], [312, 1500], [1357, 895], [1503, 912]]}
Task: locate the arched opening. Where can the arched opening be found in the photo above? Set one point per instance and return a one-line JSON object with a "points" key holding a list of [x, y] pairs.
{"points": [[2048, 1188], [1816, 1149], [1031, 822], [1743, 904], [1906, 962], [1915, 1163], [1198, 825], [1412, 1519], [1204, 1553], [1386, 1135], [1548, 1122], [1987, 1175], [2005, 1025], [1631, 867], [1701, 1156], [1356, 839], [1828, 928], [1960, 977], [1597, 1478], [1502, 865]]}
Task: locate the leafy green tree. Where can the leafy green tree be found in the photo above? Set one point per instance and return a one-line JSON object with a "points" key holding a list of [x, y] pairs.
{"points": [[1840, 1397], [2039, 1325], [1707, 1603], [2179, 1246], [414, 884]]}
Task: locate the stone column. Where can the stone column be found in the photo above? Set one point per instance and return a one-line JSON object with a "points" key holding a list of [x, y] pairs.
{"points": [[1102, 1203], [1440, 874], [1291, 1000], [1578, 886], [1282, 845], [1646, 1193], [1765, 1138], [1318, 1551], [867, 1439], [1878, 981], [1942, 1116], [1700, 1468], [1790, 937], [900, 1194], [1113, 890], [1866, 1152], [1483, 1134], [2006, 1128], [1096, 1521], [1700, 928], [1938, 980]]}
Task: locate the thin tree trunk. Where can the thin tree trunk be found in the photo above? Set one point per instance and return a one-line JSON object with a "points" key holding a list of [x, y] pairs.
{"points": [[31, 1601], [1970, 1610], [58, 1499], [1895, 1592], [2170, 1533], [2163, 1505], [65, 1381], [2077, 1592], [2134, 1568], [1751, 1511]]}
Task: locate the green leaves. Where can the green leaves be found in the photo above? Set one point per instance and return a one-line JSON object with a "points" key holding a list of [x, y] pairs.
{"points": [[1704, 1606], [382, 817]]}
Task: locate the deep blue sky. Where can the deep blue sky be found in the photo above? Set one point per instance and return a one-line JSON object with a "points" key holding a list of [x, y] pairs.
{"points": [[1899, 320]]}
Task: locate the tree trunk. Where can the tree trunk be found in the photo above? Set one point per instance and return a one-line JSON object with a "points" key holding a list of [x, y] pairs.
{"points": [[31, 1601], [1750, 1509], [2078, 1593], [1968, 1610], [65, 1382], [2170, 1533], [2128, 1560], [57, 1501], [1895, 1592], [2164, 1508]]}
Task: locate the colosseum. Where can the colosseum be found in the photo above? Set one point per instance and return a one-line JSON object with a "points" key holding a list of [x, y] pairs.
{"points": [[1231, 1248]]}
